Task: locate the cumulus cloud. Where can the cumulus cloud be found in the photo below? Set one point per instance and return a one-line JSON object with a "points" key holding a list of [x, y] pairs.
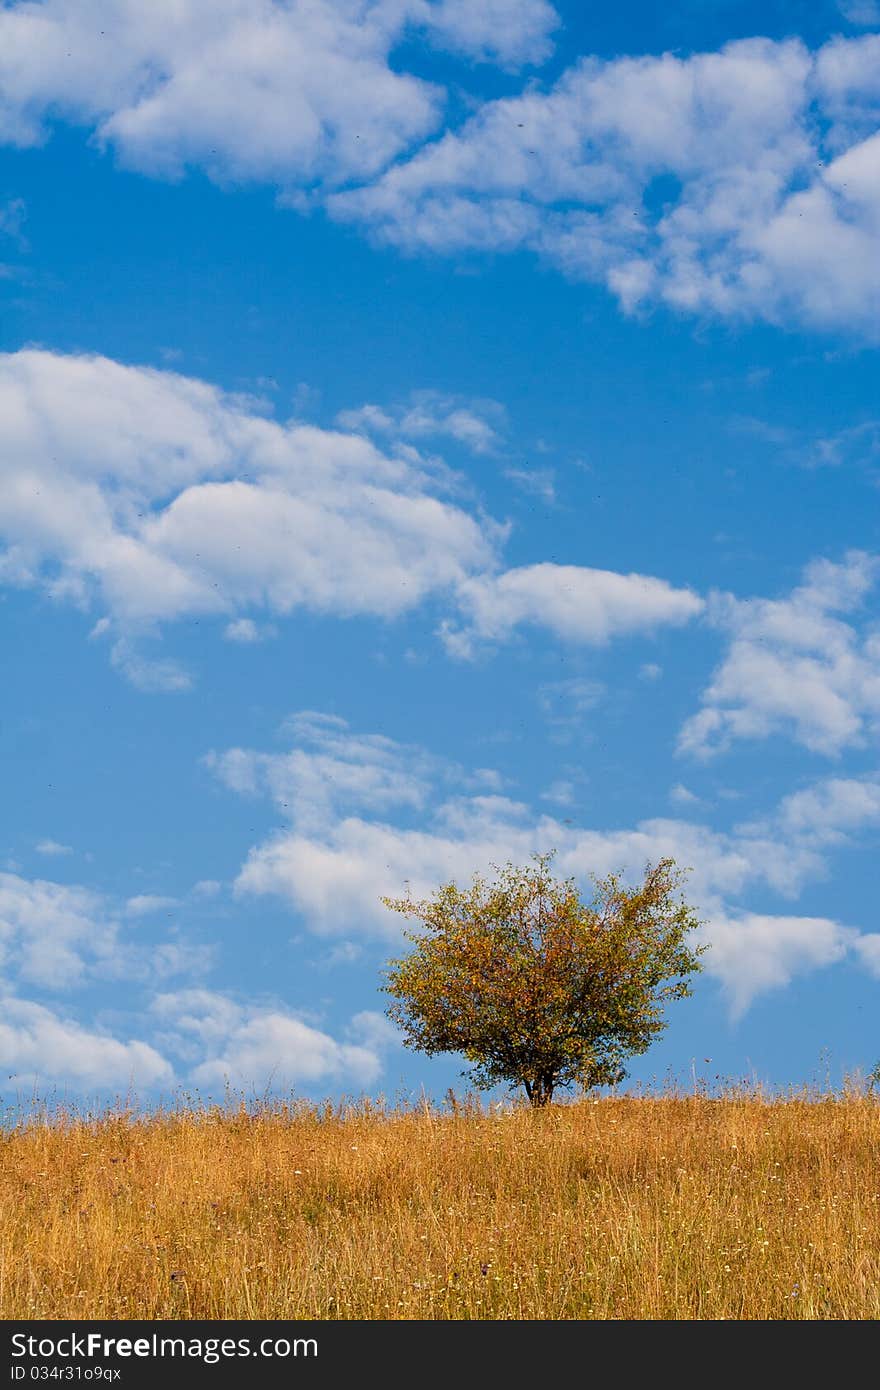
{"points": [[248, 1046], [867, 948], [740, 182], [342, 849], [509, 32], [53, 934], [374, 1030], [336, 877], [38, 1046], [62, 936], [330, 768], [277, 1049], [160, 497], [336, 880], [293, 93], [335, 863], [175, 958], [164, 498], [832, 809], [576, 603], [753, 953], [794, 666]]}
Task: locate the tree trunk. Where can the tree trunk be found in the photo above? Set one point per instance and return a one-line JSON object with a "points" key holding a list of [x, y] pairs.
{"points": [[540, 1093]]}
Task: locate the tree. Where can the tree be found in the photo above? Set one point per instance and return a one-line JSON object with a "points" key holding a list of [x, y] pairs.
{"points": [[537, 988]]}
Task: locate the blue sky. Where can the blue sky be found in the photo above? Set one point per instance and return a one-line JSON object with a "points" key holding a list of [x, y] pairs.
{"points": [[430, 433]]}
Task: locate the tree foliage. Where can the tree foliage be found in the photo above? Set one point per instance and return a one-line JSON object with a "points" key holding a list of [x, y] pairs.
{"points": [[536, 987]]}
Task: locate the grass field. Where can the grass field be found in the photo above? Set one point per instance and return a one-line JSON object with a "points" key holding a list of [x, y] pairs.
{"points": [[625, 1207]]}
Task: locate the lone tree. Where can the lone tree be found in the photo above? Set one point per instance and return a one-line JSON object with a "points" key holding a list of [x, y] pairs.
{"points": [[534, 986]]}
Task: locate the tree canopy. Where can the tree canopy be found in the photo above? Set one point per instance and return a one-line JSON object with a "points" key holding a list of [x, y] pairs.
{"points": [[536, 987]]}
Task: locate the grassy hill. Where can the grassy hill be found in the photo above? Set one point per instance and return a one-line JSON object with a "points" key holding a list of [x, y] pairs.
{"points": [[626, 1207]]}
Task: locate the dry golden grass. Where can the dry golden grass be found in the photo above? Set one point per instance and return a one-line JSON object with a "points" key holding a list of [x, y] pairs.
{"points": [[629, 1207]]}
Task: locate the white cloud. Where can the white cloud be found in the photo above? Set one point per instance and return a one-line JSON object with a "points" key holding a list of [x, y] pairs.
{"points": [[681, 795], [150, 674], [275, 1049], [861, 12], [739, 182], [163, 498], [855, 446], [336, 877], [478, 425], [564, 703], [207, 888], [200, 1013], [335, 880], [62, 936], [867, 948], [535, 482], [39, 1047], [246, 631], [252, 1047], [293, 93], [12, 218], [846, 77], [53, 848], [147, 904], [242, 630], [832, 809], [334, 866], [560, 792], [343, 953], [52, 934], [167, 959], [509, 32], [576, 603], [373, 1030], [331, 768], [244, 91], [752, 954], [793, 666]]}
